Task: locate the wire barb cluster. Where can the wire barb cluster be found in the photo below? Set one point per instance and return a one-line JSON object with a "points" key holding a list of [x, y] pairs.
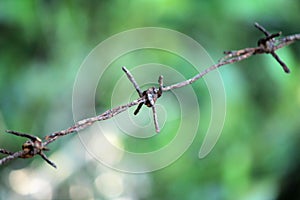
{"points": [[36, 146], [33, 146], [267, 45], [150, 96]]}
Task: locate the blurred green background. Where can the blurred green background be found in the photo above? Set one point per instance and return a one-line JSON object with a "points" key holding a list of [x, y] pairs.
{"points": [[42, 45]]}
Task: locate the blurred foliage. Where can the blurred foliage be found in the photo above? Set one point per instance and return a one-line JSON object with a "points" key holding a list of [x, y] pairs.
{"points": [[43, 44]]}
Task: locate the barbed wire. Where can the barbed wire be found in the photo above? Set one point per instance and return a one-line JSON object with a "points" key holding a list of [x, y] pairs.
{"points": [[36, 146]]}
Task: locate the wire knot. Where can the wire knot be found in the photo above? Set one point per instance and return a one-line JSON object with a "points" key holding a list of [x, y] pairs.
{"points": [[151, 95], [33, 146], [268, 43]]}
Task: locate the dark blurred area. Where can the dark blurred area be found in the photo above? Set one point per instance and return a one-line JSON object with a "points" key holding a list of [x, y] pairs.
{"points": [[42, 45]]}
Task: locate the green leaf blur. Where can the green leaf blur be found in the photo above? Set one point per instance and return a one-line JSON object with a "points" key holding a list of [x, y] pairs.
{"points": [[42, 45]]}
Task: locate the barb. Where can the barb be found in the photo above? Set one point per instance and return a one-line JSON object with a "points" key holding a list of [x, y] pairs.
{"points": [[30, 148], [262, 29], [136, 86], [31, 137], [132, 80], [35, 146], [151, 95], [156, 125], [265, 46]]}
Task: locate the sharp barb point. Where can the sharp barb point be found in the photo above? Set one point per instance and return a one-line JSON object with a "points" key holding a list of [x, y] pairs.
{"points": [[157, 129], [47, 160], [137, 110], [132, 80]]}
